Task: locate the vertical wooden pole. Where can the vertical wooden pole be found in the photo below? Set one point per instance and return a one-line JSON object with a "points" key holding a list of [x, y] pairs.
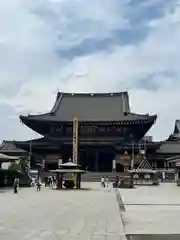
{"points": [[132, 157], [75, 146], [75, 140]]}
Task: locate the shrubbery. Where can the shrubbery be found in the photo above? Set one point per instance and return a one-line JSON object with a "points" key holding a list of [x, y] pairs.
{"points": [[7, 177]]}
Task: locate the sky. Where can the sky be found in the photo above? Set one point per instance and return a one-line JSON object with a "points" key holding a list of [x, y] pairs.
{"points": [[48, 46]]}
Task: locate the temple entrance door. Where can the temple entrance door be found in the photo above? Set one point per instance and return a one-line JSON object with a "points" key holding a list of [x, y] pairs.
{"points": [[87, 159], [105, 161], [82, 159], [90, 160], [66, 157], [119, 167]]}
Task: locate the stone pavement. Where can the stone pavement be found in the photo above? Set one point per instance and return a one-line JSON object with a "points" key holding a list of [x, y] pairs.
{"points": [[68, 215], [152, 212]]}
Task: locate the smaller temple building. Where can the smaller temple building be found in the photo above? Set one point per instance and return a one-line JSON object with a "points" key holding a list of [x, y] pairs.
{"points": [[9, 148], [169, 148]]}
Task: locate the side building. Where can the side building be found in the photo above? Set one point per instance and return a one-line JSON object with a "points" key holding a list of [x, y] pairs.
{"points": [[9, 148], [170, 148], [106, 128]]}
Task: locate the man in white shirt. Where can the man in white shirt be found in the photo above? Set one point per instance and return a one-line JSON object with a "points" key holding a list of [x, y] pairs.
{"points": [[102, 182]]}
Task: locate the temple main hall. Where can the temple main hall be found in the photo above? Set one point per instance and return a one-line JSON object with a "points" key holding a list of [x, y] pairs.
{"points": [[106, 129]]}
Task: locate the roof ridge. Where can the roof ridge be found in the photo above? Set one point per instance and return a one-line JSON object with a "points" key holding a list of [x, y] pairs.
{"points": [[58, 100], [139, 114], [61, 95], [90, 107], [95, 94]]}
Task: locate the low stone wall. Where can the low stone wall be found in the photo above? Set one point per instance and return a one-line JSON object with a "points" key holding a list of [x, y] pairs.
{"points": [[120, 201]]}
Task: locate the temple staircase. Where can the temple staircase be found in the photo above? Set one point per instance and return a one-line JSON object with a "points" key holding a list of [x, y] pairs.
{"points": [[89, 176], [96, 176]]}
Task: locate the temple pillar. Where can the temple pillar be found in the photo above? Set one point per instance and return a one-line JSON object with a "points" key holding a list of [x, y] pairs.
{"points": [[78, 180], [96, 161], [59, 181], [154, 164], [87, 162], [164, 164], [60, 161], [114, 165]]}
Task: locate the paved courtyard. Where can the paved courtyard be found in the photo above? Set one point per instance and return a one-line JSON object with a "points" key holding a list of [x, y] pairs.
{"points": [[68, 215], [91, 214], [152, 210]]}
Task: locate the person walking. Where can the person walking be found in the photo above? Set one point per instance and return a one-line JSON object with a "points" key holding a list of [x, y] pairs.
{"points": [[50, 181], [16, 185], [107, 182], [54, 181], [46, 181], [102, 181], [38, 185]]}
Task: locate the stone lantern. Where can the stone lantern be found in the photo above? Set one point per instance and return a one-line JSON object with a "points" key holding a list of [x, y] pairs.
{"points": [[138, 159], [127, 181], [125, 161]]}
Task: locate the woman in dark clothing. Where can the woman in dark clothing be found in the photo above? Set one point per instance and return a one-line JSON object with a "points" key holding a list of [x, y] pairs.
{"points": [[38, 185], [16, 185], [46, 181]]}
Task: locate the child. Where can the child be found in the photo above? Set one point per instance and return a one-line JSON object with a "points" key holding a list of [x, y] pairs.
{"points": [[38, 185]]}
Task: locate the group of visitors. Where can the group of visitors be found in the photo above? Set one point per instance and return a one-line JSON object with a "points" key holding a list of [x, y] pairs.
{"points": [[36, 183], [50, 181], [117, 182], [104, 182]]}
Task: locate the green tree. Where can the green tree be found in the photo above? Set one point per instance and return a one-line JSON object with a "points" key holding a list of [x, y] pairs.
{"points": [[15, 167], [21, 166], [24, 162]]}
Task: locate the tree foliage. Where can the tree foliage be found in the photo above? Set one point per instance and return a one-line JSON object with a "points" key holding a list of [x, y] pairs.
{"points": [[15, 167], [21, 166]]}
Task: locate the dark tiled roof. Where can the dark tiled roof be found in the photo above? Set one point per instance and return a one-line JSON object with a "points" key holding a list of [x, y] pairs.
{"points": [[177, 127], [91, 107], [174, 158], [172, 144], [39, 142], [9, 146], [137, 146], [176, 134], [170, 147], [35, 142]]}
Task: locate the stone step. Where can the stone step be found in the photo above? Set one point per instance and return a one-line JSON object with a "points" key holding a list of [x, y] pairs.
{"points": [[89, 176], [96, 176]]}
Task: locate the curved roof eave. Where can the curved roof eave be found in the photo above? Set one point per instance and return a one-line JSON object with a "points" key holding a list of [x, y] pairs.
{"points": [[120, 99]]}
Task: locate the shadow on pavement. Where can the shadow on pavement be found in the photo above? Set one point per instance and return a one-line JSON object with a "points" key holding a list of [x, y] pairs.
{"points": [[153, 236], [73, 189], [5, 189]]}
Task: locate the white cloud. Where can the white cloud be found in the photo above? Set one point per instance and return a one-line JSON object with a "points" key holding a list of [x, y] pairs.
{"points": [[28, 54], [73, 21]]}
